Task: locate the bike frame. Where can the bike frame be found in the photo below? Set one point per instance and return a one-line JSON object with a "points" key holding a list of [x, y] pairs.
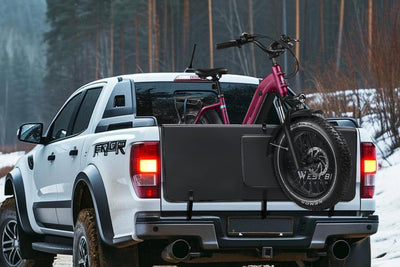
{"points": [[217, 106], [274, 82]]}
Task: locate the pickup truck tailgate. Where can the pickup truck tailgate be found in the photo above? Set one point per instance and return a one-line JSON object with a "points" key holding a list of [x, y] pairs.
{"points": [[228, 163]]}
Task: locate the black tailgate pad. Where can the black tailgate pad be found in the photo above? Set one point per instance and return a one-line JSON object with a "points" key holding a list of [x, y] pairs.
{"points": [[223, 163]]}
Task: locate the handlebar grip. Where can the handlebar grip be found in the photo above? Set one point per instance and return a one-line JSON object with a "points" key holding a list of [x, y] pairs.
{"points": [[224, 45]]}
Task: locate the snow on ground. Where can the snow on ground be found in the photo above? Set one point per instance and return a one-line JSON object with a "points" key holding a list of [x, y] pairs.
{"points": [[385, 246], [387, 195], [10, 159]]}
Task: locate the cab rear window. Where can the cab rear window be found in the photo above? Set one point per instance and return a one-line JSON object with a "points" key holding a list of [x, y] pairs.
{"points": [[167, 100]]}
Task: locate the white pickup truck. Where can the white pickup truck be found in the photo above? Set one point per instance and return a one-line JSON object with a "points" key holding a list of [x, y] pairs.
{"points": [[121, 179]]}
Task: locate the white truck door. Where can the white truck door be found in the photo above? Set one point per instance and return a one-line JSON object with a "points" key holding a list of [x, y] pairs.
{"points": [[69, 152], [50, 165]]}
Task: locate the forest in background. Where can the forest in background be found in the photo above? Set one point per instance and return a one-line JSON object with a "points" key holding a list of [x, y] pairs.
{"points": [[51, 48]]}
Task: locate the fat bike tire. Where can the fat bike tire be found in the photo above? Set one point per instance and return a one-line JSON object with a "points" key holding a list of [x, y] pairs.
{"points": [[324, 164]]}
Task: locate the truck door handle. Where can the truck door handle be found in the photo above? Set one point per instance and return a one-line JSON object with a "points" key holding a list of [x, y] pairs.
{"points": [[73, 152], [51, 157]]}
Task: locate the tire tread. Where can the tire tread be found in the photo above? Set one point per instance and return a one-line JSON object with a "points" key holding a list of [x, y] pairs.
{"points": [[342, 154]]}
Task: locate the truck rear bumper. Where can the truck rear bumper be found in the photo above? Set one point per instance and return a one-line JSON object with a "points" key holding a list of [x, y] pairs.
{"points": [[309, 232]]}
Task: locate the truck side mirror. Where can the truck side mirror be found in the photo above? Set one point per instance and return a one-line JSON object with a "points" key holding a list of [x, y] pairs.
{"points": [[31, 133]]}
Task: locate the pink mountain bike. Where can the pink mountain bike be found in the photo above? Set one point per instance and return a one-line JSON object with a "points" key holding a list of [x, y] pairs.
{"points": [[311, 158]]}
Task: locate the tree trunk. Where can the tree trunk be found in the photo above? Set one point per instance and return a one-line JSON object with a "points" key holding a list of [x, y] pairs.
{"points": [[149, 34], [111, 38], [297, 50], [251, 22], [165, 34], [172, 40], [340, 35], [156, 33], [137, 53], [321, 25], [370, 13], [210, 28], [186, 27], [122, 47], [97, 50]]}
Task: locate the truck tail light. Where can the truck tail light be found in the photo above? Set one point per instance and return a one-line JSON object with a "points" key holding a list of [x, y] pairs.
{"points": [[145, 169], [368, 170]]}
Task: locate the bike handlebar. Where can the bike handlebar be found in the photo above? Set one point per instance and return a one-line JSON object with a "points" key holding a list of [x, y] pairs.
{"points": [[274, 50], [224, 45], [244, 39], [276, 47]]}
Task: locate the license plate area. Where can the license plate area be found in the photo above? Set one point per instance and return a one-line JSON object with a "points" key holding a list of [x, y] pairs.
{"points": [[276, 226]]}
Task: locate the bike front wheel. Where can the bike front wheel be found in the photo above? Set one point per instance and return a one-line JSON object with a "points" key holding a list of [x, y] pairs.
{"points": [[324, 164]]}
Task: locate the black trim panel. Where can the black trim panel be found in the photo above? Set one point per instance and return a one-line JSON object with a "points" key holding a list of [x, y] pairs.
{"points": [[52, 204], [305, 228], [58, 226], [53, 248], [20, 200], [92, 178], [44, 213]]}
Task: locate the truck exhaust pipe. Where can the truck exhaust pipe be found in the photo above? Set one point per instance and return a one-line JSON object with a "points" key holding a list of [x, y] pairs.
{"points": [[340, 250], [177, 251]]}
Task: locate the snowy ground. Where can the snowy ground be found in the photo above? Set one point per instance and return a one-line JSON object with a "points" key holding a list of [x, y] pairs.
{"points": [[9, 159], [385, 247], [387, 195]]}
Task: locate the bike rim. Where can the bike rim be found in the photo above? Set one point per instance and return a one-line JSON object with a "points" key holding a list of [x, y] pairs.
{"points": [[317, 165], [83, 249], [10, 243]]}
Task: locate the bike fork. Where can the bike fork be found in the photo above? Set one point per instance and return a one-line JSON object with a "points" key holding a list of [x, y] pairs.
{"points": [[286, 127]]}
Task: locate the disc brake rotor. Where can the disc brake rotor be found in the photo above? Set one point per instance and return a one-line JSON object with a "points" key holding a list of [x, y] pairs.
{"points": [[317, 161]]}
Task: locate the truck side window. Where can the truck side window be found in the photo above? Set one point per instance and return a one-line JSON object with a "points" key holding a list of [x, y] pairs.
{"points": [[86, 110], [61, 125]]}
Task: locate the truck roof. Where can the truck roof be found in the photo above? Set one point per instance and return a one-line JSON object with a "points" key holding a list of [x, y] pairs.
{"points": [[170, 77]]}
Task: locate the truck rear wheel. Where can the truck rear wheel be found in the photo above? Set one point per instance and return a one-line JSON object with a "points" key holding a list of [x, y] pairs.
{"points": [[89, 250], [14, 242], [324, 162], [86, 249]]}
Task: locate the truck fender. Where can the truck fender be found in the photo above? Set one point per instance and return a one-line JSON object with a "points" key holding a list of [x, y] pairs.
{"points": [[91, 178], [14, 185], [305, 113]]}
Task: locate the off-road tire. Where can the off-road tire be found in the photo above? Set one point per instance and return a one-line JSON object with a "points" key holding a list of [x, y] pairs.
{"points": [[86, 247], [16, 242], [90, 250], [323, 153], [208, 117]]}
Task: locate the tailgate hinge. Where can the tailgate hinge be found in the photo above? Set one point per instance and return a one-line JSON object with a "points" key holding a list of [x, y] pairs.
{"points": [[264, 205], [190, 205]]}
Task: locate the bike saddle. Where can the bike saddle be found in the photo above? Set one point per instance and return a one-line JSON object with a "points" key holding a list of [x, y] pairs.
{"points": [[214, 73]]}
